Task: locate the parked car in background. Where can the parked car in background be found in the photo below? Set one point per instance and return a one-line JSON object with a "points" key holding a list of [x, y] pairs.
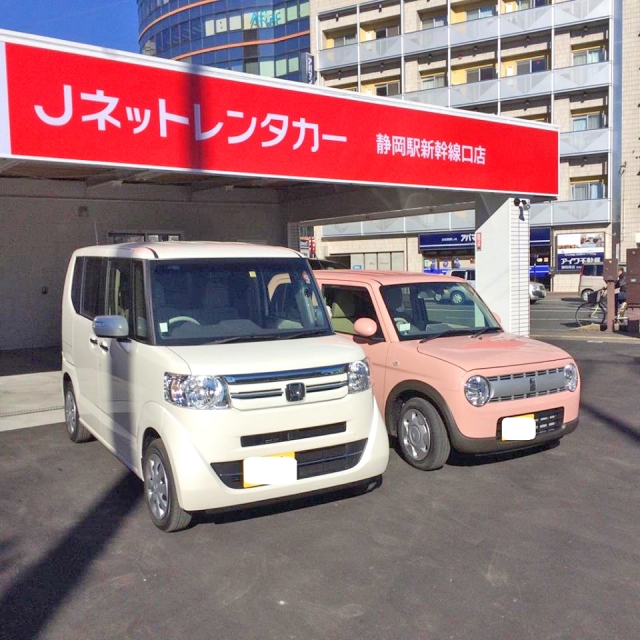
{"points": [[590, 279], [447, 376], [455, 293], [536, 292]]}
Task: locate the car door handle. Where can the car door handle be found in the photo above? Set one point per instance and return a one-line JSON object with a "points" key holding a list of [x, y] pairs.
{"points": [[93, 340], [104, 346]]}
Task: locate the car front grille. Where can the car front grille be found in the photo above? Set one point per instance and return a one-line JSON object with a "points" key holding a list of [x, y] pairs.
{"points": [[293, 434], [311, 463], [526, 385]]}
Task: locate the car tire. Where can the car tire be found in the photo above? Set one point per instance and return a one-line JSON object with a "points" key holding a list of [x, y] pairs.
{"points": [[76, 431], [437, 297], [457, 297], [422, 437], [160, 490], [585, 295]]}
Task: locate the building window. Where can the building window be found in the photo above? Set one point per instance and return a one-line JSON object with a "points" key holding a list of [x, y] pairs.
{"points": [[435, 21], [221, 25], [267, 68], [281, 67], [589, 56], [387, 32], [592, 190], [434, 81], [530, 4], [524, 67], [480, 74], [388, 89], [481, 12], [294, 63], [588, 121], [345, 39]]}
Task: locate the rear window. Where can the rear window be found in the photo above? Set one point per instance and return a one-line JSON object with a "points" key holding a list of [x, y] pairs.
{"points": [[592, 270]]}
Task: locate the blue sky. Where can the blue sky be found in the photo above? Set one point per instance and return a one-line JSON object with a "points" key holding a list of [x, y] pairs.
{"points": [[104, 23]]}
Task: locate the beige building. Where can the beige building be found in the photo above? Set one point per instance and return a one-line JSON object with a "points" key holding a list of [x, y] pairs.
{"points": [[559, 61]]}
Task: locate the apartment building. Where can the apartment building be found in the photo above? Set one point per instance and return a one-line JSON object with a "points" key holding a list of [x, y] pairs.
{"points": [[559, 61]]}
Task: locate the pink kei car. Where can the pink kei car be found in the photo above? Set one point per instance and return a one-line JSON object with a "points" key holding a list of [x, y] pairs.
{"points": [[446, 375]]}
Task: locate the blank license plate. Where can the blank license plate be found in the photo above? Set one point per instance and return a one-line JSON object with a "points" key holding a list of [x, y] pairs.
{"points": [[519, 427], [278, 469]]}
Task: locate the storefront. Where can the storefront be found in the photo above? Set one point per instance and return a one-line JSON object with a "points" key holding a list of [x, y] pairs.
{"points": [[454, 250]]}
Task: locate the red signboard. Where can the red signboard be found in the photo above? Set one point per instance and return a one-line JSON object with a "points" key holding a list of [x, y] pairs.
{"points": [[116, 109]]}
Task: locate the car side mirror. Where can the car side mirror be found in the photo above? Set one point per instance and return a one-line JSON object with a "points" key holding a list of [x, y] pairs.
{"points": [[365, 327], [111, 327]]}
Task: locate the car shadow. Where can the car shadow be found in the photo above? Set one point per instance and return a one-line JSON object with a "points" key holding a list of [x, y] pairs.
{"points": [[457, 459], [284, 505]]}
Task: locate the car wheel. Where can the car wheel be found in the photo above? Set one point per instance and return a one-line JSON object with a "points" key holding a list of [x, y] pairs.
{"points": [[422, 436], [160, 491], [585, 294], [457, 297], [437, 297], [75, 430]]}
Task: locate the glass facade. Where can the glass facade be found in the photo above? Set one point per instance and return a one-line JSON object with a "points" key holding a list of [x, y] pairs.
{"points": [[254, 36]]}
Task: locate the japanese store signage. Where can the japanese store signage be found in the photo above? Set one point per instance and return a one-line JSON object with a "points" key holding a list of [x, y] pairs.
{"points": [[538, 236], [111, 109], [575, 249]]}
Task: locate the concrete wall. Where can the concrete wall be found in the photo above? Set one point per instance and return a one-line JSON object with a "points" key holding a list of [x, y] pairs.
{"points": [[42, 225]]}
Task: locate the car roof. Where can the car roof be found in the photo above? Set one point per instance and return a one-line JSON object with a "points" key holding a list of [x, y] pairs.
{"points": [[187, 250], [384, 278]]}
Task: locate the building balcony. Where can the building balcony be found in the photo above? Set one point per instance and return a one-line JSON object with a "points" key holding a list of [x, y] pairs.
{"points": [[474, 93], [524, 86], [570, 212], [380, 49], [582, 77], [337, 57], [438, 97], [474, 30], [525, 21], [518, 87], [577, 143], [426, 40], [578, 11]]}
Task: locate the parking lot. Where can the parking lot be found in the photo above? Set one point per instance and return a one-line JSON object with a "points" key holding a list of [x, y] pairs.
{"points": [[538, 545]]}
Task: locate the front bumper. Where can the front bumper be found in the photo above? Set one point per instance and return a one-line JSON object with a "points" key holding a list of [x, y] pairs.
{"points": [[207, 463], [463, 444]]}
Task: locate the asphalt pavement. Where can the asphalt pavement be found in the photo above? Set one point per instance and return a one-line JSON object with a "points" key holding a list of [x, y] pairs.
{"points": [[536, 545]]}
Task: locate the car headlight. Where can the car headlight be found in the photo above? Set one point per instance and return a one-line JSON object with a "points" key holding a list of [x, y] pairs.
{"points": [[477, 391], [571, 377], [196, 392], [359, 376]]}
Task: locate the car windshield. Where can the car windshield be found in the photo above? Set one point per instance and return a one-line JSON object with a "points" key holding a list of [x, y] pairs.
{"points": [[235, 300], [426, 310]]}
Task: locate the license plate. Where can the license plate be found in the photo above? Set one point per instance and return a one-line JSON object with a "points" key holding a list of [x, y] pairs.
{"points": [[519, 427], [281, 468]]}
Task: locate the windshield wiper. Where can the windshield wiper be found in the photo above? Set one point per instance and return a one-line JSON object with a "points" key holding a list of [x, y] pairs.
{"points": [[304, 334], [479, 332], [446, 334], [248, 338]]}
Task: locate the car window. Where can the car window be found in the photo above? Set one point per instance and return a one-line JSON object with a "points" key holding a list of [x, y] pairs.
{"points": [[423, 310], [208, 300], [93, 289], [348, 304], [119, 288]]}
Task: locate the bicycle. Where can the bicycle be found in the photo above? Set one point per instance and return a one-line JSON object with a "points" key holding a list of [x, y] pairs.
{"points": [[594, 312]]}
